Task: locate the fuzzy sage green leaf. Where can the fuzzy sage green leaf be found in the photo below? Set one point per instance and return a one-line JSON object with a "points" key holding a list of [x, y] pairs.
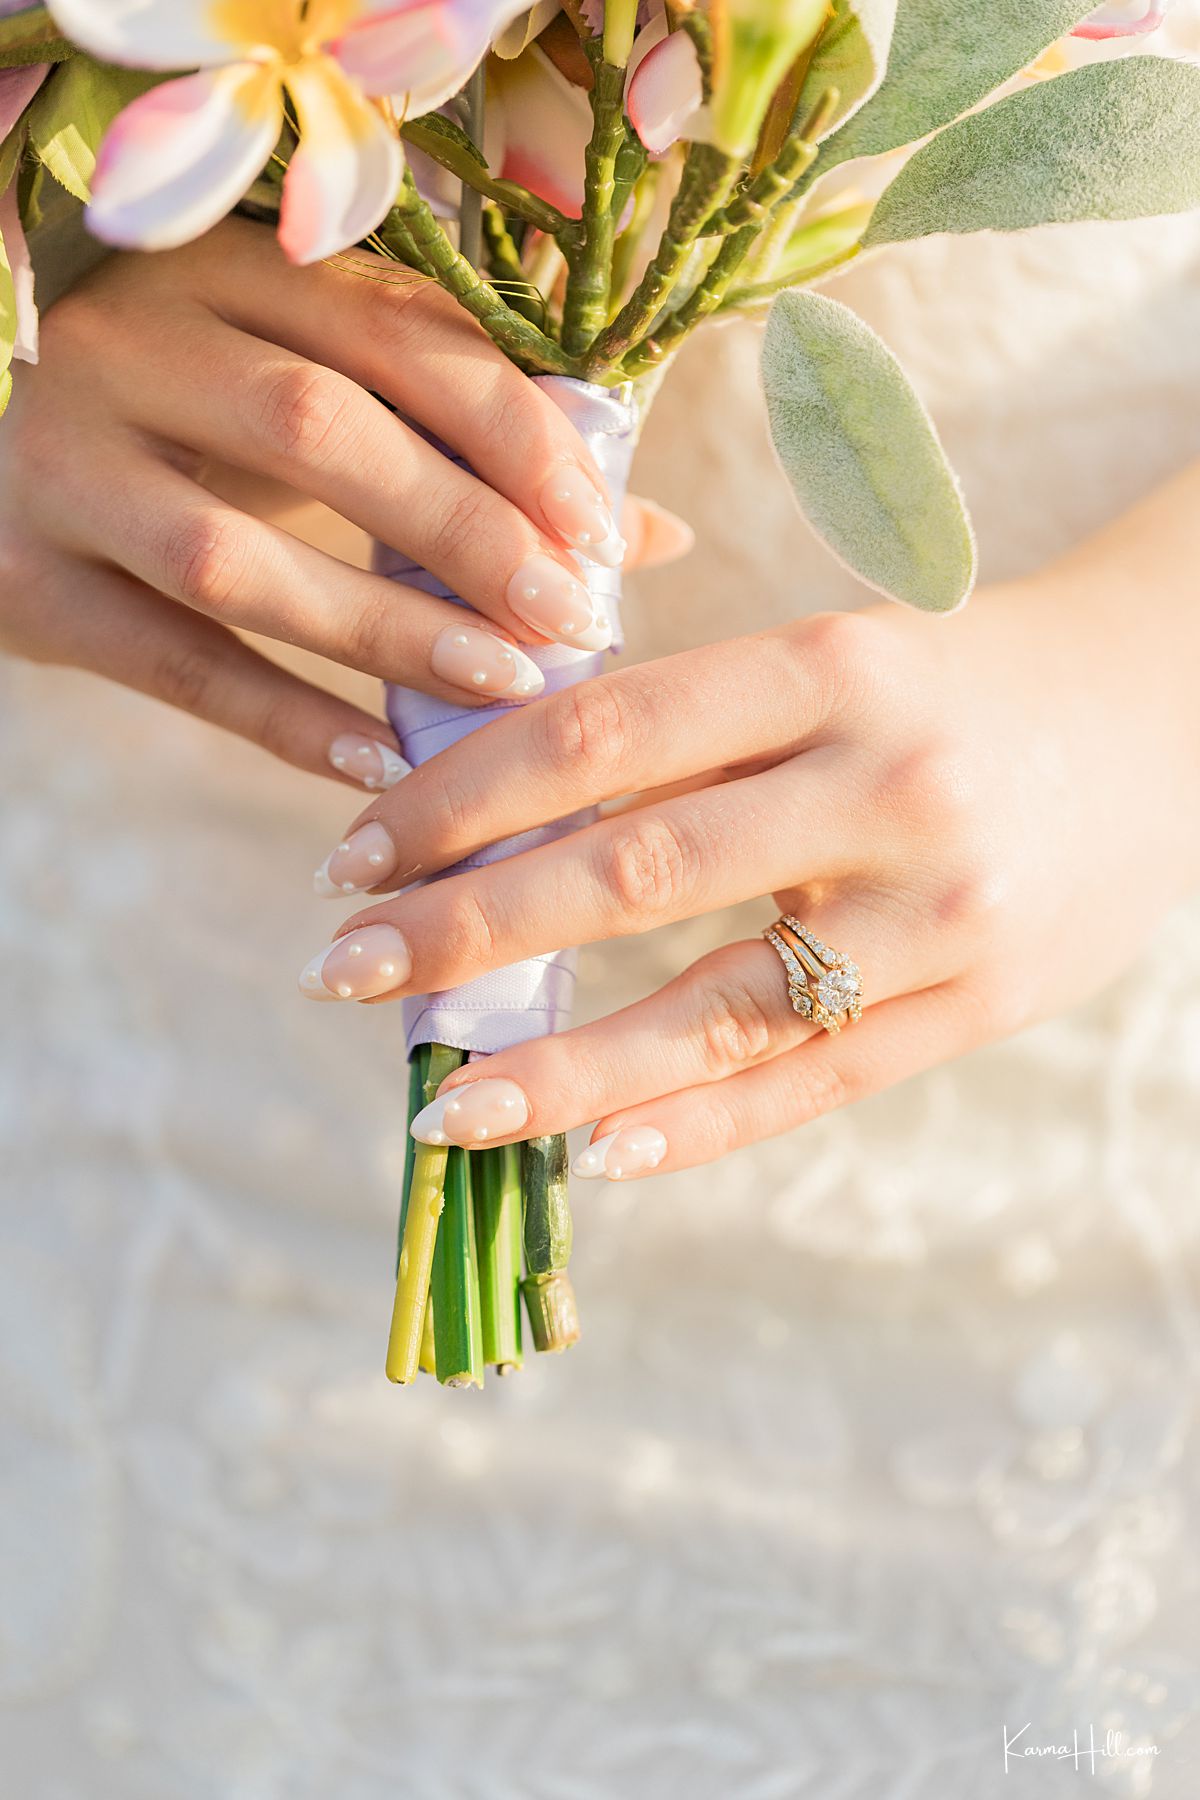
{"points": [[850, 57], [1113, 140], [862, 455], [947, 56], [72, 114]]}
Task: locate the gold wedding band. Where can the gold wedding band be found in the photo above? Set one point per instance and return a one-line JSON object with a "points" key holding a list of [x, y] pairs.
{"points": [[823, 984]]}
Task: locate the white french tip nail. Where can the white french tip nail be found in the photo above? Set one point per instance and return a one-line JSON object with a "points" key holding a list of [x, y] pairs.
{"points": [[394, 769], [589, 1164], [311, 983], [596, 636], [610, 553], [427, 1126], [322, 885]]}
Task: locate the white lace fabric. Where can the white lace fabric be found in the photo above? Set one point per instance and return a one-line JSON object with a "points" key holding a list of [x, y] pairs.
{"points": [[880, 1437]]}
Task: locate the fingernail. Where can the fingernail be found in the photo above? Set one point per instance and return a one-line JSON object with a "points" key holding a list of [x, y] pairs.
{"points": [[469, 658], [365, 759], [371, 961], [549, 598], [493, 1108], [576, 511], [666, 536], [360, 861], [622, 1154]]}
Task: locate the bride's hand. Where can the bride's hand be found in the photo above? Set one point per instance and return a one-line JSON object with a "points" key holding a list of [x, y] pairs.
{"points": [[978, 811], [114, 557]]}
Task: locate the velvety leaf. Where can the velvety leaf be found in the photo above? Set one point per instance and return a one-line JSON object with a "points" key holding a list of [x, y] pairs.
{"points": [[72, 113], [946, 56], [1113, 140], [851, 56], [862, 455]]}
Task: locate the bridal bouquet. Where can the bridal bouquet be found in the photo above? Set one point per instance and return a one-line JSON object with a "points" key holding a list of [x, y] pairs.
{"points": [[592, 181]]}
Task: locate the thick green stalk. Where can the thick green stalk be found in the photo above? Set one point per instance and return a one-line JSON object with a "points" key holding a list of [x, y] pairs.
{"points": [[427, 1361], [517, 337], [589, 262], [549, 1296], [708, 176], [473, 173], [706, 299], [418, 1068], [755, 293], [496, 1190], [753, 204], [420, 1235], [457, 1339]]}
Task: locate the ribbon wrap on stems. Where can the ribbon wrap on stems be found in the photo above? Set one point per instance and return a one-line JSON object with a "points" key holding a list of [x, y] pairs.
{"points": [[533, 998]]}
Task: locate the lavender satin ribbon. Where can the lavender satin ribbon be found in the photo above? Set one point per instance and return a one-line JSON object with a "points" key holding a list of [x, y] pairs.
{"points": [[532, 998]]}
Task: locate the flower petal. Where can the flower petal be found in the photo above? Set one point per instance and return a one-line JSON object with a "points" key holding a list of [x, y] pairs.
{"points": [[665, 92], [544, 124], [1124, 18], [17, 88], [176, 34], [16, 250], [178, 158], [425, 51], [347, 171]]}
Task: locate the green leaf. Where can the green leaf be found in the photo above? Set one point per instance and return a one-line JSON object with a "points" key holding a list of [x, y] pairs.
{"points": [[823, 240], [31, 36], [862, 455], [947, 56], [851, 56], [1113, 140], [72, 113], [447, 143]]}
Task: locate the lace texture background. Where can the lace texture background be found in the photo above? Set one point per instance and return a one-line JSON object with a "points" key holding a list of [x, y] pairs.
{"points": [[880, 1438]]}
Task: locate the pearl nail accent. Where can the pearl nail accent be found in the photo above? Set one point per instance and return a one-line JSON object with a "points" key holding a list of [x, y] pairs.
{"points": [[634, 1150], [363, 860], [473, 1114], [377, 766], [554, 602], [469, 658], [576, 511], [372, 960]]}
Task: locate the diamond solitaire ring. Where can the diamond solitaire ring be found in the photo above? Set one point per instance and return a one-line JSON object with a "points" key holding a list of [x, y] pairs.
{"points": [[823, 985]]}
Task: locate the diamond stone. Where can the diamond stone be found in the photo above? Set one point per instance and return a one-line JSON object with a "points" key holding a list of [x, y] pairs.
{"points": [[837, 989]]}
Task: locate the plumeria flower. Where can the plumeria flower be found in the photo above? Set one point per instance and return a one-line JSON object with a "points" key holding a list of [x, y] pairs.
{"points": [[1123, 18], [180, 157]]}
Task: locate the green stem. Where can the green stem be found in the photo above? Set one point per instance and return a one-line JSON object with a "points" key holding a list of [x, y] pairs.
{"points": [[457, 1339], [708, 175], [470, 205], [754, 293], [755, 202], [420, 1234], [706, 299], [427, 1361], [517, 337], [496, 1188], [418, 1068], [509, 194], [505, 266], [589, 261], [549, 1296]]}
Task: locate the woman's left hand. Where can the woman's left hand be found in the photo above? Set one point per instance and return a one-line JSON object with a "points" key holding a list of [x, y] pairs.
{"points": [[954, 804]]}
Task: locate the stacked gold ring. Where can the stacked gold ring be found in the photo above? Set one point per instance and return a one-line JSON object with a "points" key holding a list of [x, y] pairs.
{"points": [[823, 984]]}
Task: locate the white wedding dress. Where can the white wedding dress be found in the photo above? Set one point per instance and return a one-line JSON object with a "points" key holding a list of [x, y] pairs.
{"points": [[881, 1438]]}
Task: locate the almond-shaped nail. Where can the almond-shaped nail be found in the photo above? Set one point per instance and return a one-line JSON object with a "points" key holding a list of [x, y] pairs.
{"points": [[370, 961], [635, 1150], [549, 598], [363, 860], [473, 1113], [375, 765], [469, 658], [576, 511]]}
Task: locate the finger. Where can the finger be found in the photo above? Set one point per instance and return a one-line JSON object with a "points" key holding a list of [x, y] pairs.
{"points": [[728, 1012], [612, 879], [102, 621], [407, 339], [657, 723], [894, 1041], [155, 522], [304, 423], [653, 535]]}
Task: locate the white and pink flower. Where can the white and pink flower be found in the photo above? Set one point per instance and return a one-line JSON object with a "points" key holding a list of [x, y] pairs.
{"points": [[180, 157]]}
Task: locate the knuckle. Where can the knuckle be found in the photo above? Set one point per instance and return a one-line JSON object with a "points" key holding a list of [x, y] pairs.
{"points": [[817, 1087], [186, 678], [203, 557], [648, 868], [468, 937], [399, 311], [734, 1029], [301, 412], [458, 522], [586, 727], [368, 637], [75, 325], [931, 786], [842, 652]]}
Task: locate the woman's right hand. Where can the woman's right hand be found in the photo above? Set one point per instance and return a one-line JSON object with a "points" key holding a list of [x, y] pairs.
{"points": [[114, 557]]}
